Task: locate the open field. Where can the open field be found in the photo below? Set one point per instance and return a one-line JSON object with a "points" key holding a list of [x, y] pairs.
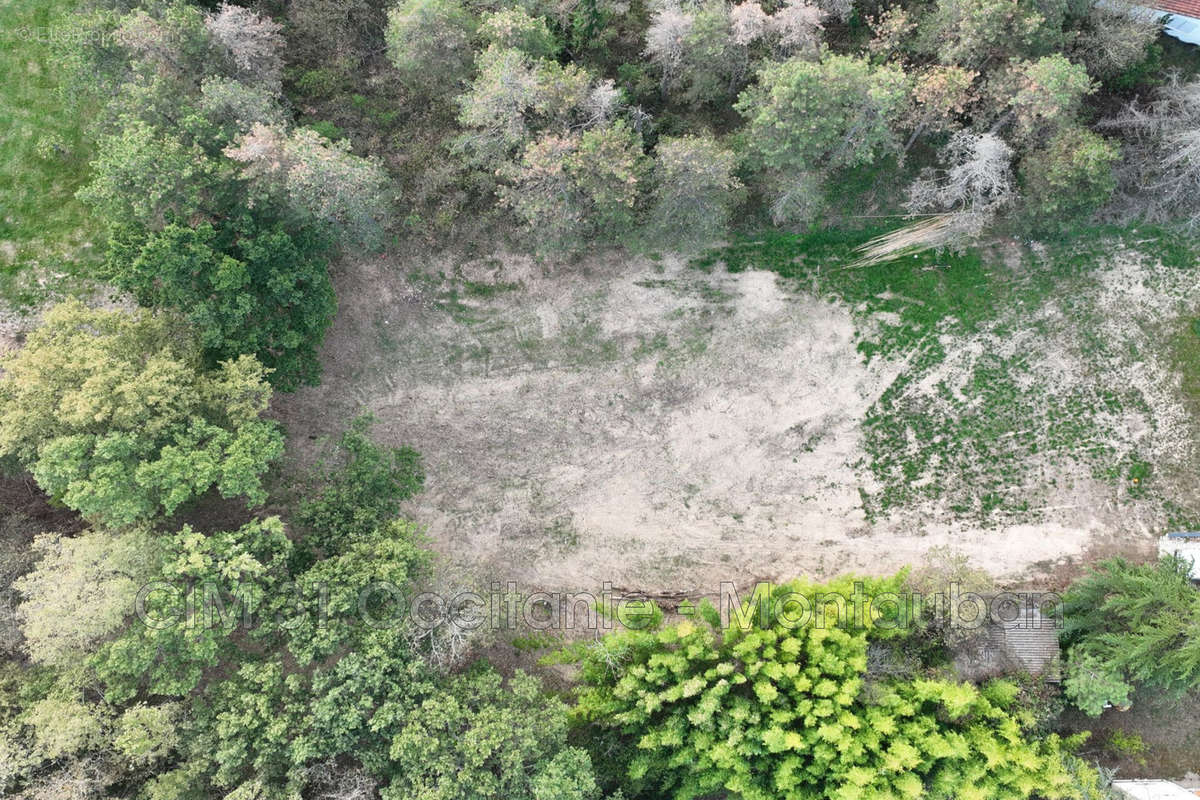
{"points": [[762, 411], [45, 232]]}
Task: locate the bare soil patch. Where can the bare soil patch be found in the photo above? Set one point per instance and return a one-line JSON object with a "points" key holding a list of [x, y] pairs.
{"points": [[645, 423]]}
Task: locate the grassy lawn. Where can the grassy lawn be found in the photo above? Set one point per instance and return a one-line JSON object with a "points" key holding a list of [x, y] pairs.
{"points": [[45, 233], [1014, 364]]}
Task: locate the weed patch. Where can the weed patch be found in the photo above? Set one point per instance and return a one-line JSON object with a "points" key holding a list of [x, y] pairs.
{"points": [[1023, 367]]}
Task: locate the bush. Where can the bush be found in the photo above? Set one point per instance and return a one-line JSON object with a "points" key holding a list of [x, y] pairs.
{"points": [[780, 707], [1070, 179], [364, 488]]}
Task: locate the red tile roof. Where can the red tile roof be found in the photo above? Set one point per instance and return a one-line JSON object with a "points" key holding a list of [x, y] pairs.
{"points": [[1189, 8]]}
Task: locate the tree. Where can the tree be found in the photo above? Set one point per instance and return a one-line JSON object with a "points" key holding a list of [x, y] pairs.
{"points": [[148, 734], [975, 33], [1115, 37], [325, 184], [796, 26], [1093, 685], [83, 590], [514, 28], [947, 573], [244, 288], [1046, 94], [334, 37], [512, 98], [695, 189], [208, 588], [1131, 625], [146, 176], [1071, 177], [475, 737], [775, 704], [1159, 176], [573, 188], [362, 490], [368, 577], [697, 51], [940, 99], [429, 42], [974, 186], [237, 107], [254, 43], [173, 40], [116, 417], [823, 115]]}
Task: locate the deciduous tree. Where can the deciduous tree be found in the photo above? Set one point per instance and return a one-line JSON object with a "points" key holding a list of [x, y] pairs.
{"points": [[1070, 178], [578, 187], [83, 590], [245, 289], [115, 415], [695, 189], [324, 183], [1045, 94], [429, 42], [477, 737], [823, 115], [253, 42], [515, 28]]}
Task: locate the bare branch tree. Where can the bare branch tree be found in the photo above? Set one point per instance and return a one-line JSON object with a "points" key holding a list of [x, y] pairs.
{"points": [[1159, 177], [255, 43]]}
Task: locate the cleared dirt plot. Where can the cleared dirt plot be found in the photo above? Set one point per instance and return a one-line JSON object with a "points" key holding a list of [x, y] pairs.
{"points": [[765, 411]]}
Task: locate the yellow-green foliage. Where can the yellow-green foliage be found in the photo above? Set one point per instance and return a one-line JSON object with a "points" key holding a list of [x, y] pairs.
{"points": [[62, 727], [145, 734], [115, 416], [776, 710], [82, 590]]}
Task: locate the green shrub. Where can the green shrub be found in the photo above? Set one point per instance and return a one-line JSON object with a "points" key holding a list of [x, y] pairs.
{"points": [[352, 497], [1070, 178], [781, 708]]}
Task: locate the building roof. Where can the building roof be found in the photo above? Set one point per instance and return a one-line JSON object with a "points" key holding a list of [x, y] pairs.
{"points": [[1183, 16], [1188, 8], [1153, 790], [1034, 644], [1023, 642]]}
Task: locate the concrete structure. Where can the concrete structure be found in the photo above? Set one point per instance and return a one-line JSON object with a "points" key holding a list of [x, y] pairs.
{"points": [[1183, 544], [1152, 790]]}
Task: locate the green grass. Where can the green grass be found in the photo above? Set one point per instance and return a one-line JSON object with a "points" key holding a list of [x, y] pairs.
{"points": [[44, 230], [997, 441]]}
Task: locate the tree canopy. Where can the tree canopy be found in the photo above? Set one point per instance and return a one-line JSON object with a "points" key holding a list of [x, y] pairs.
{"points": [[116, 415]]}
